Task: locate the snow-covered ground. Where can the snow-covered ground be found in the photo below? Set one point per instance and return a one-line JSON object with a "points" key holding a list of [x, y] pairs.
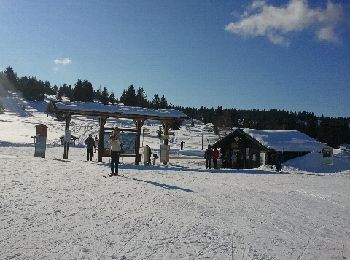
{"points": [[68, 209]]}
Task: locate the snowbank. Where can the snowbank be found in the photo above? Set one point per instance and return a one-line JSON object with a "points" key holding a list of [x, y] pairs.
{"points": [[313, 163]]}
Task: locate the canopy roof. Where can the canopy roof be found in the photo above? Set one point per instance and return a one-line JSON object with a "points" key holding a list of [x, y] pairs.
{"points": [[99, 109]]}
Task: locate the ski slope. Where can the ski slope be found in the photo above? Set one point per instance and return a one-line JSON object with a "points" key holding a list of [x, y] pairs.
{"points": [[52, 208]]}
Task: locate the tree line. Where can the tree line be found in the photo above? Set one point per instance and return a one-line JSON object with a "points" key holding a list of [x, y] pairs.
{"points": [[35, 90], [330, 130]]}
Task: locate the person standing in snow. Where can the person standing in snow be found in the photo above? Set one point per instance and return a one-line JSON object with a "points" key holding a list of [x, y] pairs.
{"points": [[115, 151], [208, 156], [182, 145], [278, 161], [90, 144], [147, 152], [96, 142], [216, 156]]}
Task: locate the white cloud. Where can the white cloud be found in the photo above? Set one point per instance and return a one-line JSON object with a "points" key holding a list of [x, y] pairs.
{"points": [[64, 61], [261, 19]]}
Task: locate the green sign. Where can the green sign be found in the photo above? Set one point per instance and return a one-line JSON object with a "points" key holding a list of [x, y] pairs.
{"points": [[127, 139], [40, 146]]}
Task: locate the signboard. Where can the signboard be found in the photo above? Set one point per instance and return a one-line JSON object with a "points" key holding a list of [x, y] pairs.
{"points": [[164, 153], [106, 141], [327, 155], [40, 146], [127, 140], [40, 140]]}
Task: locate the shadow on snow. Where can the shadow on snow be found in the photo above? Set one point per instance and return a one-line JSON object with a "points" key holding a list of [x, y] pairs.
{"points": [[161, 185], [178, 168]]}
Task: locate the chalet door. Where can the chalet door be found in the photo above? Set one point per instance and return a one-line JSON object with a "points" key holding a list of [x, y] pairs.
{"points": [[262, 158]]}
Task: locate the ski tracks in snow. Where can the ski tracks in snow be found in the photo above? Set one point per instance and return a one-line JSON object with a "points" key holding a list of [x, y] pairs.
{"points": [[52, 208]]}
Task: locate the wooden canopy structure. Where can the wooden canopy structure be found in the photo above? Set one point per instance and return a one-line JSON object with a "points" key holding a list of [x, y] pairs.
{"points": [[103, 112]]}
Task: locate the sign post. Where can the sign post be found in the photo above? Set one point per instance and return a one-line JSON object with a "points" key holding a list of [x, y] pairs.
{"points": [[164, 153], [327, 155], [40, 140]]}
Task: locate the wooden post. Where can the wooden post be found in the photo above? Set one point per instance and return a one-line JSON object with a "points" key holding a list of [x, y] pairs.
{"points": [[166, 126], [166, 132], [202, 142], [101, 148], [139, 124], [66, 136]]}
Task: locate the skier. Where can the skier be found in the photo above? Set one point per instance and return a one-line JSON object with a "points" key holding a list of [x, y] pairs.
{"points": [[90, 145], [182, 145], [278, 161], [208, 156], [115, 151], [147, 152], [216, 156]]}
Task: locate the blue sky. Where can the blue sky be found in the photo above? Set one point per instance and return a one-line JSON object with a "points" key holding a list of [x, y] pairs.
{"points": [[291, 55]]}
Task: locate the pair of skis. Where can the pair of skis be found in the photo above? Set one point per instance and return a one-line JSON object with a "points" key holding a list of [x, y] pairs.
{"points": [[110, 175]]}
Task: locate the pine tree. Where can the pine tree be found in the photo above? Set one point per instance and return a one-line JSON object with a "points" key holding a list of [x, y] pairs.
{"points": [[163, 102], [156, 102], [77, 91], [112, 98], [128, 97], [141, 98], [105, 96]]}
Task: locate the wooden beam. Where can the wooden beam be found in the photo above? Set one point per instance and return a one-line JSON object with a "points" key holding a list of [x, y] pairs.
{"points": [[139, 123], [102, 122], [166, 126]]}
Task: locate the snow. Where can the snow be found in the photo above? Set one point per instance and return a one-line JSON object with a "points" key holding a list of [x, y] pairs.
{"points": [[119, 109], [286, 140], [313, 163], [52, 208]]}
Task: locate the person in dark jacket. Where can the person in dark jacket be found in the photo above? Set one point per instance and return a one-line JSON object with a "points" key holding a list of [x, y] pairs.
{"points": [[208, 155], [90, 145], [216, 156], [278, 161]]}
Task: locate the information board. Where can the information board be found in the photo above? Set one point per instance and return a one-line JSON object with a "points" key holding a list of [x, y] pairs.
{"points": [[127, 139], [40, 146]]}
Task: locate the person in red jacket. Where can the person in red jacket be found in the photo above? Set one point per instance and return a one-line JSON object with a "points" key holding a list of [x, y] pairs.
{"points": [[216, 156]]}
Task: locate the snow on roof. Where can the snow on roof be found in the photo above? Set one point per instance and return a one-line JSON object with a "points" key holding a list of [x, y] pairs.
{"points": [[120, 109], [345, 146], [285, 140]]}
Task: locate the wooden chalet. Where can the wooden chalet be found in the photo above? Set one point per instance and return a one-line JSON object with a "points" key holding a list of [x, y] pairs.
{"points": [[250, 148]]}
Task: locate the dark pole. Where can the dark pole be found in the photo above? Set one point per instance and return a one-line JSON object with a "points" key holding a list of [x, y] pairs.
{"points": [[139, 124], [101, 148], [202, 142]]}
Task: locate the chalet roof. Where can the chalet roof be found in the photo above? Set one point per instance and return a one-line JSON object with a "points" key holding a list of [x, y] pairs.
{"points": [[285, 140], [99, 109], [282, 140]]}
